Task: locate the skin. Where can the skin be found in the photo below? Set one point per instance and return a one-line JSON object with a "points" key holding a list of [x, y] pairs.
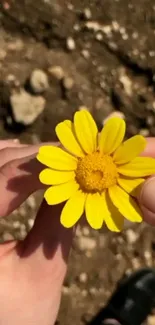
{"points": [[32, 272]]}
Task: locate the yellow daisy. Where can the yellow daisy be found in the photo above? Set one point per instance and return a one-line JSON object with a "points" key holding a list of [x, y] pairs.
{"points": [[96, 174]]}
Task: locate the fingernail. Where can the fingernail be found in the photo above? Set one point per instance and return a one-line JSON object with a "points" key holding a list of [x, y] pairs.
{"points": [[147, 196]]}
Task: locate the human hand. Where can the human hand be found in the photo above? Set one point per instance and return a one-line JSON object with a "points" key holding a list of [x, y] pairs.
{"points": [[147, 193], [32, 271]]}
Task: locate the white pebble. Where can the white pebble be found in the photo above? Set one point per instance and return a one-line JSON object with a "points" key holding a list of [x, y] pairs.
{"points": [[39, 81], [144, 132], [83, 277], [85, 231], [71, 46], [93, 291], [31, 223], [31, 202], [86, 243], [68, 83], [99, 37], [85, 54], [115, 26], [125, 37], [57, 72], [87, 13], [65, 290], [131, 236], [16, 224]]}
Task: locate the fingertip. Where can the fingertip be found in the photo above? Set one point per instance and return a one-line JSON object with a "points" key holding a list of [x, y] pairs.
{"points": [[147, 200]]}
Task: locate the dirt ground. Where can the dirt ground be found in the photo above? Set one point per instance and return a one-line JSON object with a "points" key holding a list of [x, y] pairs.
{"points": [[99, 54]]}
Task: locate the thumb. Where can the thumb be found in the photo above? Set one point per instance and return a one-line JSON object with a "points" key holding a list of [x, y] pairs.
{"points": [[147, 200]]}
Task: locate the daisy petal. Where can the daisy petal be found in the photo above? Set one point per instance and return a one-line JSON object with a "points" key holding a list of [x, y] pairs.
{"points": [[60, 193], [111, 135], [113, 218], [125, 204], [70, 215], [56, 158], [55, 177], [138, 167], [86, 130], [130, 149], [66, 135], [94, 210], [130, 185]]}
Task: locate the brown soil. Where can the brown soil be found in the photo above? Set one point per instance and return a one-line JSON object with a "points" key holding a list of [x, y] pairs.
{"points": [[112, 69]]}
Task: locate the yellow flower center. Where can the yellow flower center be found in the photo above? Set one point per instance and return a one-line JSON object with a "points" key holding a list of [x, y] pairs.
{"points": [[96, 172]]}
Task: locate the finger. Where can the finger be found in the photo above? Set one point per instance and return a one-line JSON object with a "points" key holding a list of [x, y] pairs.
{"points": [[147, 200], [11, 153], [18, 179], [10, 150], [48, 244], [18, 176], [150, 148]]}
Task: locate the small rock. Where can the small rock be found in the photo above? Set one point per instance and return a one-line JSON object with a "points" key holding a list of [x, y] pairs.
{"points": [[87, 13], [68, 83], [93, 291], [86, 243], [76, 27], [85, 231], [99, 37], [22, 211], [12, 81], [78, 231], [31, 202], [16, 224], [83, 277], [127, 84], [148, 257], [57, 72], [136, 263], [144, 132], [71, 46], [7, 236], [85, 54], [30, 223], [22, 234], [150, 119], [25, 107], [39, 81], [65, 290], [131, 236], [115, 26]]}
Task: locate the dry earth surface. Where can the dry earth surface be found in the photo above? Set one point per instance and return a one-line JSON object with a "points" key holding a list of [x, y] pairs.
{"points": [[56, 56]]}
